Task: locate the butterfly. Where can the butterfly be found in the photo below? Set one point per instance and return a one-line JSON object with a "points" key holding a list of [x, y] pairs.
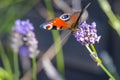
{"points": [[65, 21]]}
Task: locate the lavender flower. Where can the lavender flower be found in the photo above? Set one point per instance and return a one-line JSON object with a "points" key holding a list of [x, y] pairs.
{"points": [[23, 39], [22, 27], [87, 34]]}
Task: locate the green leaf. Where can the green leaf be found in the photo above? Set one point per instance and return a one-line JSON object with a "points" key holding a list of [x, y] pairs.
{"points": [[4, 74], [14, 11], [5, 3]]}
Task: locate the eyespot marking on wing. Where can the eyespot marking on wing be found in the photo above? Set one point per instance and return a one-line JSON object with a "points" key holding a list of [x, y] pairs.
{"points": [[47, 26], [65, 17]]}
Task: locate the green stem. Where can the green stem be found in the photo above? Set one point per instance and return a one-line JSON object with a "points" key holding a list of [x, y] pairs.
{"points": [[93, 48], [98, 60], [5, 61], [34, 67], [56, 38], [50, 9], [16, 66], [114, 21], [107, 72], [59, 56]]}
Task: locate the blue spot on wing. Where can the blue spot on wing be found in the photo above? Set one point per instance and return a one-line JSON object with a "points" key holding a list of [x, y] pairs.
{"points": [[65, 16], [43, 26]]}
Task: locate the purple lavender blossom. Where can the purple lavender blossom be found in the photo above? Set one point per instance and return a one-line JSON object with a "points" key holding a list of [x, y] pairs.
{"points": [[23, 27], [87, 34], [23, 39]]}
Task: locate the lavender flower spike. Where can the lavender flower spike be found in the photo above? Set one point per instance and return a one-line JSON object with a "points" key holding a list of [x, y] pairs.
{"points": [[23, 39], [87, 34]]}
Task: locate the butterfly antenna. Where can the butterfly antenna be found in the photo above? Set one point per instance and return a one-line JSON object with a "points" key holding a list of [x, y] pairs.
{"points": [[81, 12], [85, 7]]}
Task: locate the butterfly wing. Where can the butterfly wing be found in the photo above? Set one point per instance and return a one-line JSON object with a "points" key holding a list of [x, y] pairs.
{"points": [[71, 24], [65, 21], [55, 24]]}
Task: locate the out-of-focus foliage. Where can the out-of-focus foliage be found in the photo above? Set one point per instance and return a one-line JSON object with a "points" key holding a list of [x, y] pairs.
{"points": [[4, 75], [114, 20], [56, 38], [10, 10]]}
